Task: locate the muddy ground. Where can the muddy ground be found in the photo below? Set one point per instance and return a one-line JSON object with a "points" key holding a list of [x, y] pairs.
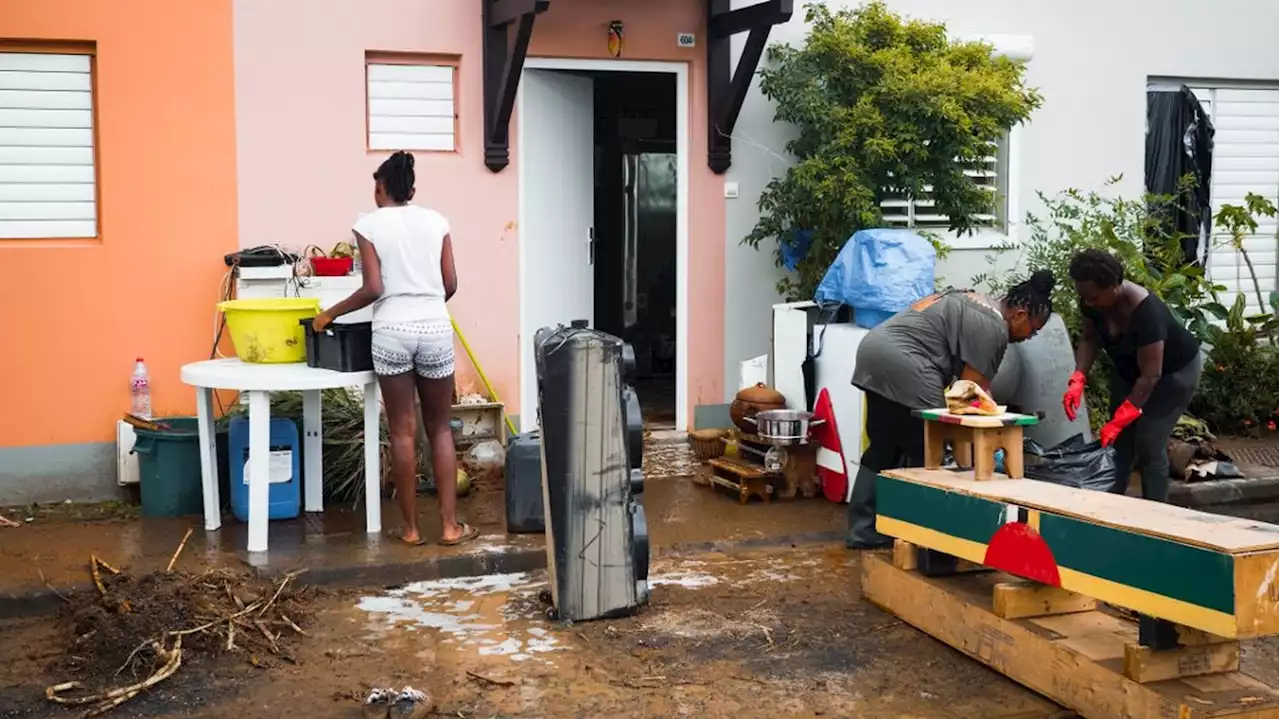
{"points": [[778, 633]]}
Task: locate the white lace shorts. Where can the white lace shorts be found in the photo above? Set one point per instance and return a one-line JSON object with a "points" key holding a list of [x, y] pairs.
{"points": [[425, 347]]}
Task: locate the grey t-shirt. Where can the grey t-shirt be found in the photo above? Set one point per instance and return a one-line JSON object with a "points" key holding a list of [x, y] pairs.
{"points": [[912, 357]]}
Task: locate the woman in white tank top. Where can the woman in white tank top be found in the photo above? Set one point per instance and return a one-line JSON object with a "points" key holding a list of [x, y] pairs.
{"points": [[408, 275]]}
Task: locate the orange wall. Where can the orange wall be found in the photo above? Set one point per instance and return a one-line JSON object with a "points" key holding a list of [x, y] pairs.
{"points": [[75, 314]]}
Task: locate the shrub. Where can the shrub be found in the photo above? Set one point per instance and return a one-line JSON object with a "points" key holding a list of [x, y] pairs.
{"points": [[1238, 390], [1073, 221]]}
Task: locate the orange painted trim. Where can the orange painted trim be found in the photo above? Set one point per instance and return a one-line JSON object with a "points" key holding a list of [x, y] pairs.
{"points": [[379, 57], [68, 47]]}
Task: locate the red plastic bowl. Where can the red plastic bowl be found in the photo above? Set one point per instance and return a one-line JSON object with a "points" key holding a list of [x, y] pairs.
{"points": [[331, 266]]}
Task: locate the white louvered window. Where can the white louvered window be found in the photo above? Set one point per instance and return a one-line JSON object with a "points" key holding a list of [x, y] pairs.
{"points": [[991, 174], [47, 174], [412, 106], [1246, 158]]}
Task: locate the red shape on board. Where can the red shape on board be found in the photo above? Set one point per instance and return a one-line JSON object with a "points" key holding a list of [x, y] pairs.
{"points": [[1019, 549], [835, 482]]}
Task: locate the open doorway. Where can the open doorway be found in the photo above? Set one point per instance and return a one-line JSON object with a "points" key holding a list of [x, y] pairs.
{"points": [[603, 185], [635, 226]]}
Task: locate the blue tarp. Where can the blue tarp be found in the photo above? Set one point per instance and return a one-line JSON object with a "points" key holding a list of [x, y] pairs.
{"points": [[879, 273], [794, 248]]}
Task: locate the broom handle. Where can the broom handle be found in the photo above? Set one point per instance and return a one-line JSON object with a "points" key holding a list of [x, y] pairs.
{"points": [[480, 371]]}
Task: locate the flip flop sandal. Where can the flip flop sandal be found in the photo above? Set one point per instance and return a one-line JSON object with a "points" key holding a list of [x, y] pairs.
{"points": [[468, 533], [411, 704], [378, 704], [398, 533]]}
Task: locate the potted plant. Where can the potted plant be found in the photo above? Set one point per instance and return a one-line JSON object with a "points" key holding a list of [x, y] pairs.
{"points": [[336, 263]]}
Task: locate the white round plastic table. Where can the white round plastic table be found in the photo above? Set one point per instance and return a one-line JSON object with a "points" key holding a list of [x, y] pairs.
{"points": [[258, 381]]}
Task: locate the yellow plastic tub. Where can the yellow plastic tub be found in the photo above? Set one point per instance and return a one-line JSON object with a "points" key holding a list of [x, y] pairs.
{"points": [[268, 331]]}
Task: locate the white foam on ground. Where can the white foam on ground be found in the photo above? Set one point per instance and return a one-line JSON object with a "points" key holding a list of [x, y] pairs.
{"points": [[500, 626], [688, 580], [451, 607], [475, 586]]}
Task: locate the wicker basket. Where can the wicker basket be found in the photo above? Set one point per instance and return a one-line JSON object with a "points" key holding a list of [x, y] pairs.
{"points": [[707, 443]]}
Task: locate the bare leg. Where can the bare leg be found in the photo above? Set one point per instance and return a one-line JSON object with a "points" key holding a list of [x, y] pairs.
{"points": [[436, 396], [402, 423]]}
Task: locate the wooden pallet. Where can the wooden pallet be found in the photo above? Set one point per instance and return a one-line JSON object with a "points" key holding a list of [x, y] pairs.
{"points": [[1054, 643], [742, 478], [1214, 573]]}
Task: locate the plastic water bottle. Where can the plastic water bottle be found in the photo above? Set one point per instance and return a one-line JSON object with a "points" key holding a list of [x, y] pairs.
{"points": [[140, 390]]}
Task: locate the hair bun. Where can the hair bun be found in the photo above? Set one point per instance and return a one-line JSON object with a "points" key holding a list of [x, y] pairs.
{"points": [[1043, 281], [408, 158]]}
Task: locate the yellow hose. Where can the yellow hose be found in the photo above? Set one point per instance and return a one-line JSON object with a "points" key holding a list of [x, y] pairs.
{"points": [[480, 371]]}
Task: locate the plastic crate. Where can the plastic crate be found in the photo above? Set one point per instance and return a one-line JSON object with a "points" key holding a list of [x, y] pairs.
{"points": [[340, 347]]}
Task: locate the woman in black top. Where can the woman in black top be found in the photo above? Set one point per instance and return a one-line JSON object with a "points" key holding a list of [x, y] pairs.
{"points": [[1157, 368]]}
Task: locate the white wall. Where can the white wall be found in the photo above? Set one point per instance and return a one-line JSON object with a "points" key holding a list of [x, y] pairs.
{"points": [[1091, 63], [750, 275]]}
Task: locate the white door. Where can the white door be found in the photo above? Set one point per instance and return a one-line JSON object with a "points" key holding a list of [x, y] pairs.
{"points": [[557, 162]]}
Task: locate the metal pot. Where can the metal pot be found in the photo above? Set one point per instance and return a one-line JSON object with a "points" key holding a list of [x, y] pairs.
{"points": [[784, 426]]}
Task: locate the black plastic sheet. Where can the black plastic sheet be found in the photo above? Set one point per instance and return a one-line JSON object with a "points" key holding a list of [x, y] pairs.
{"points": [[1072, 463], [1180, 143]]}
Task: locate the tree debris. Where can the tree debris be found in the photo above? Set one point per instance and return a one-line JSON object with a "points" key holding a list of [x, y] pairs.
{"points": [[176, 552], [487, 680], [140, 630]]}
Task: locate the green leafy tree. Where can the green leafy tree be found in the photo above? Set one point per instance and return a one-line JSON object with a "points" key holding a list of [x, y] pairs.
{"points": [[883, 106]]}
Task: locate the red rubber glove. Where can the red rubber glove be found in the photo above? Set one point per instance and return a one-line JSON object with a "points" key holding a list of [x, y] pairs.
{"points": [[1124, 416], [1075, 394]]}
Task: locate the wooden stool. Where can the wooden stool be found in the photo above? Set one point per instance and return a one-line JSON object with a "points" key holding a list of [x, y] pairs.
{"points": [[746, 480], [975, 439]]}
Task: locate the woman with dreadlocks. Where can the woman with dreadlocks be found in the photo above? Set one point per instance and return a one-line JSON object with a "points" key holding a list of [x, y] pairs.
{"points": [[408, 275], [907, 363], [1155, 365]]}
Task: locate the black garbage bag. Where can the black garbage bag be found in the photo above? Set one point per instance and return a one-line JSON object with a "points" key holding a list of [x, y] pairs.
{"points": [[1072, 463]]}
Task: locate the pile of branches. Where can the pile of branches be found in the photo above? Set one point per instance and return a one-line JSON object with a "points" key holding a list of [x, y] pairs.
{"points": [[135, 632]]}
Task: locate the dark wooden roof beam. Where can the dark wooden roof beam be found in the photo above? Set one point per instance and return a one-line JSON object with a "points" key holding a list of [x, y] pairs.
{"points": [[765, 14], [726, 85], [504, 56]]}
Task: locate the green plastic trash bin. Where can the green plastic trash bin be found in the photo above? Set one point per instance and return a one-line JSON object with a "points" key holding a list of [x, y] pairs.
{"points": [[169, 468]]}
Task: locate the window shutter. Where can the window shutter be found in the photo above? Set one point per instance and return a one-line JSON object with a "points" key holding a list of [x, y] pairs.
{"points": [[919, 212], [411, 107], [1246, 158], [47, 175]]}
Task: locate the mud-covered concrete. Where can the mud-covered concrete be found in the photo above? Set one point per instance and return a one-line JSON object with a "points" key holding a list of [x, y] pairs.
{"points": [[52, 551], [745, 633]]}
